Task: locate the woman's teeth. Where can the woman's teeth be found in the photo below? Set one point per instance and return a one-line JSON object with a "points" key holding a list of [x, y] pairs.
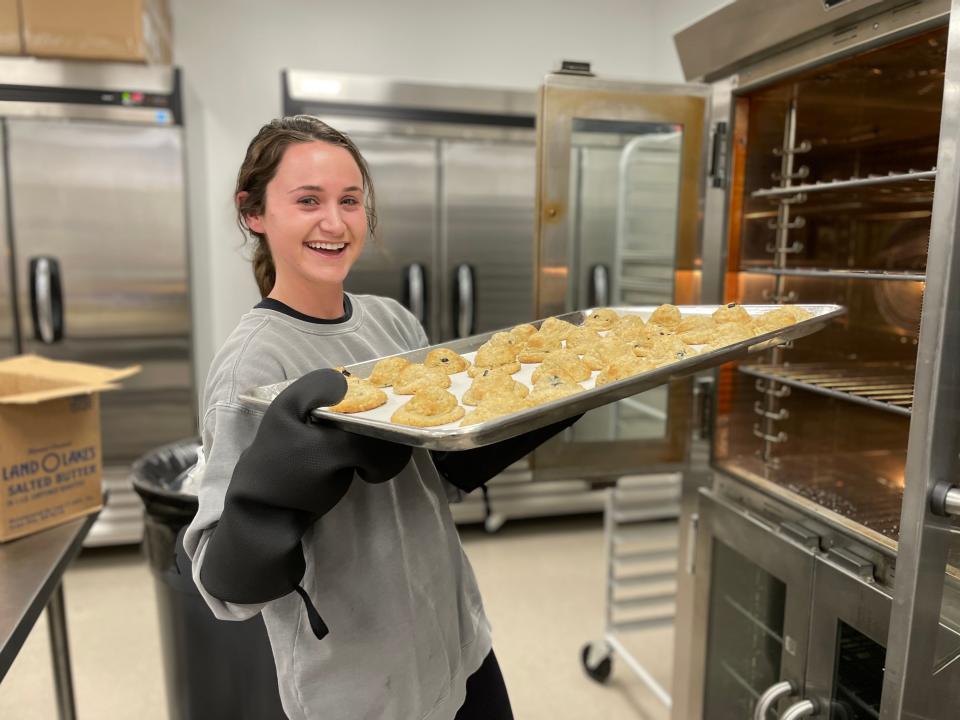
{"points": [[326, 246]]}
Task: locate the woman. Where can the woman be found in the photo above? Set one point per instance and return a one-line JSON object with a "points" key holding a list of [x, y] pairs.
{"points": [[345, 544]]}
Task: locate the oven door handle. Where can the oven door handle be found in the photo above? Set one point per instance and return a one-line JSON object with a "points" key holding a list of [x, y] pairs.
{"points": [[802, 709], [599, 285], [771, 697], [415, 291], [464, 300], [46, 299]]}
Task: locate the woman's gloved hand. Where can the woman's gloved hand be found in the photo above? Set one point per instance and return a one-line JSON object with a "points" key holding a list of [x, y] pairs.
{"points": [[295, 471], [469, 469]]}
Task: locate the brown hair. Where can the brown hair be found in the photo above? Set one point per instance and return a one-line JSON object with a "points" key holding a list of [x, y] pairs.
{"points": [[264, 154]]}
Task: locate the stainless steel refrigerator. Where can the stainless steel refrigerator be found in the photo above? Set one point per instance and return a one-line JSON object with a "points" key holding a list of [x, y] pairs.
{"points": [[94, 264]]}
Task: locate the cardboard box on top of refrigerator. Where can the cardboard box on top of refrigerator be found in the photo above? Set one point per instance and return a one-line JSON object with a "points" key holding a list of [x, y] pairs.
{"points": [[10, 43], [129, 30], [50, 464]]}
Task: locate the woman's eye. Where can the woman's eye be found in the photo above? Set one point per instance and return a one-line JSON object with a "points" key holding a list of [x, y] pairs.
{"points": [[307, 201], [350, 201]]}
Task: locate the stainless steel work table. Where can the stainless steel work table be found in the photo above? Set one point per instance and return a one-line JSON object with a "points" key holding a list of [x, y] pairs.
{"points": [[31, 569]]}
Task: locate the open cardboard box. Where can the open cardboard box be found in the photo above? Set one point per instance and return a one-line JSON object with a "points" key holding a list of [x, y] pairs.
{"points": [[50, 448]]}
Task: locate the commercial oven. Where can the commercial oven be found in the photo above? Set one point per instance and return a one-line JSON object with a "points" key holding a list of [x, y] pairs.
{"points": [[818, 577]]}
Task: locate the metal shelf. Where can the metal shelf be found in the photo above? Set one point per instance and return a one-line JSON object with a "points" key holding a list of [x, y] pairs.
{"points": [[886, 387], [903, 275], [854, 182]]}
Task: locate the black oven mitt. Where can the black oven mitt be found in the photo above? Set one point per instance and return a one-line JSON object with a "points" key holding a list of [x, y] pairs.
{"points": [[469, 469], [294, 472]]}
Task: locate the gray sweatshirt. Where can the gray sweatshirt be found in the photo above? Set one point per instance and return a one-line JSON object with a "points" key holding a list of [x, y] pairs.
{"points": [[385, 567]]}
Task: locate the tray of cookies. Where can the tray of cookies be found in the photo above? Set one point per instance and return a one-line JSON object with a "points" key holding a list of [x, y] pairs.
{"points": [[489, 387]]}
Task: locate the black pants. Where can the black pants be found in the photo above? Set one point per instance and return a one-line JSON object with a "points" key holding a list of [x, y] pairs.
{"points": [[486, 694]]}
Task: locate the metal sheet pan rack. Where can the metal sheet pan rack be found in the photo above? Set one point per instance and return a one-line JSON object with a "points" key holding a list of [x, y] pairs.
{"points": [[883, 386], [640, 537], [850, 183], [846, 274]]}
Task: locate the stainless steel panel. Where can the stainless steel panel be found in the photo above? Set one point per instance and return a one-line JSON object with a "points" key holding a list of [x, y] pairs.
{"points": [[771, 553], [83, 74], [933, 454], [108, 202], [9, 335], [889, 23], [405, 179], [375, 91], [746, 28], [485, 433], [488, 193]]}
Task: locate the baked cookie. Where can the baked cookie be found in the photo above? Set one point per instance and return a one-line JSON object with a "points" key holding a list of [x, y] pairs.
{"points": [[605, 351], [556, 328], [630, 327], [418, 377], [800, 314], [774, 320], [602, 319], [447, 360], [731, 333], [523, 331], [429, 407], [386, 371], [496, 407], [732, 313], [581, 339], [505, 338], [565, 361], [475, 371], [550, 387], [538, 346], [361, 395], [495, 356], [621, 368], [494, 385], [667, 349], [697, 329], [666, 316]]}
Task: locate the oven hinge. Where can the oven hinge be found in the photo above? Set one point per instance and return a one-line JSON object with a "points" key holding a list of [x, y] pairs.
{"points": [[703, 408], [718, 156]]}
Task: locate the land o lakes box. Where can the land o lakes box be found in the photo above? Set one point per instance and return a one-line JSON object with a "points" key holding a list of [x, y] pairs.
{"points": [[50, 465]]}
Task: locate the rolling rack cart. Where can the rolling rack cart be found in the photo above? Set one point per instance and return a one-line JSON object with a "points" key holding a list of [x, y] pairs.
{"points": [[640, 533]]}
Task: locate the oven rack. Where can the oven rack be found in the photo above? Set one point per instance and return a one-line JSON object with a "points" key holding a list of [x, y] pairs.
{"points": [[848, 274], [884, 386], [853, 182]]}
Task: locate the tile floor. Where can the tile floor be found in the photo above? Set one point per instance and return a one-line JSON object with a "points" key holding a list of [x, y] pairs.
{"points": [[543, 586]]}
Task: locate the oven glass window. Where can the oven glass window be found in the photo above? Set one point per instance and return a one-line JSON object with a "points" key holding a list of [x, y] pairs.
{"points": [[858, 677], [745, 635]]}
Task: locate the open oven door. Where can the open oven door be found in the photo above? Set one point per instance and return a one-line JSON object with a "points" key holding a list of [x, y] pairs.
{"points": [[620, 170]]}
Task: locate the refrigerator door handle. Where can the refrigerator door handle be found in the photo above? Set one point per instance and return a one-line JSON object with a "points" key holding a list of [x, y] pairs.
{"points": [[415, 291], [46, 299], [464, 299], [599, 285]]}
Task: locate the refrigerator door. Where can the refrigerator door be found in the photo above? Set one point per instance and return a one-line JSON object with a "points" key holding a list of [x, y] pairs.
{"points": [[98, 219], [488, 191], [9, 334], [401, 262], [619, 189]]}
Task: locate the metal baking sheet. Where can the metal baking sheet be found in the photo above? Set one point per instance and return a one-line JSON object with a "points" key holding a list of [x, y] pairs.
{"points": [[376, 423]]}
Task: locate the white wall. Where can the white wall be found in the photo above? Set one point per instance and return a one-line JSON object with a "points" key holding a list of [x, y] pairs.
{"points": [[232, 53]]}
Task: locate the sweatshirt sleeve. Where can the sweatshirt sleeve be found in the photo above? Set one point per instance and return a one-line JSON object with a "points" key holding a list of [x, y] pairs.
{"points": [[227, 431]]}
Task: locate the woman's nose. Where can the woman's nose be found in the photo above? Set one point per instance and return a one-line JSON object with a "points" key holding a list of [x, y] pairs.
{"points": [[331, 222]]}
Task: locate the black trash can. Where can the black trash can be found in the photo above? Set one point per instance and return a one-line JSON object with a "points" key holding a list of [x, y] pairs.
{"points": [[214, 669]]}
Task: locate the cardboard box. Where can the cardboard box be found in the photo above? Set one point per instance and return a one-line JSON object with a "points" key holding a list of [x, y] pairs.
{"points": [[50, 464], [10, 28], [130, 30]]}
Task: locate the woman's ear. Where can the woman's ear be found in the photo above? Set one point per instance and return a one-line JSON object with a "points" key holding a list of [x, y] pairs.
{"points": [[254, 222]]}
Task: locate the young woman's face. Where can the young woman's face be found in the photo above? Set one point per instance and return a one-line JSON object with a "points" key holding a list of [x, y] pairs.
{"points": [[314, 217]]}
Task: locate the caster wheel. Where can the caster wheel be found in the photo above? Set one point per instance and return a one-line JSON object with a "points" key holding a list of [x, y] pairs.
{"points": [[598, 668]]}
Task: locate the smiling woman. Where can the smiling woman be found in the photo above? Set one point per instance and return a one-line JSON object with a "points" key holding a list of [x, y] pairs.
{"points": [[305, 195]]}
